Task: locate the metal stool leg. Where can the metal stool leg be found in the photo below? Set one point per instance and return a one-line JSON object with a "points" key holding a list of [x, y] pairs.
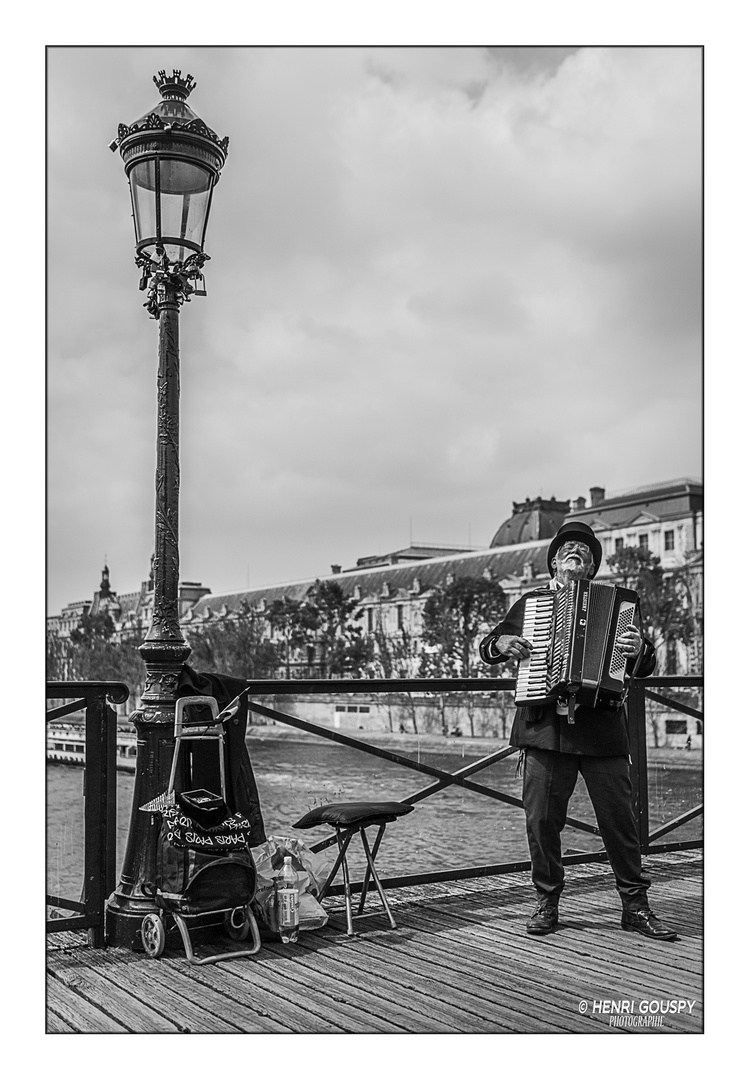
{"points": [[376, 879], [347, 889], [339, 859], [366, 882]]}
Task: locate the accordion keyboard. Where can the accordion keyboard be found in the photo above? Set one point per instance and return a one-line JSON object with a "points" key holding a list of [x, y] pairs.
{"points": [[531, 680]]}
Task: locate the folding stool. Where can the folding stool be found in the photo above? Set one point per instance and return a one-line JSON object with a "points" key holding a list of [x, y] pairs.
{"points": [[350, 819]]}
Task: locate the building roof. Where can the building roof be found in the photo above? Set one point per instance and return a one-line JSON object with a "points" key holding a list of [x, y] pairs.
{"points": [[413, 553], [531, 520], [406, 580], [671, 499]]}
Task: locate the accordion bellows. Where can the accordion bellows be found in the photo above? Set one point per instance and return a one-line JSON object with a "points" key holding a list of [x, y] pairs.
{"points": [[574, 633]]}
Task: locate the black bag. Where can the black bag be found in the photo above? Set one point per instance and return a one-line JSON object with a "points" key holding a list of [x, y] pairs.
{"points": [[204, 869]]}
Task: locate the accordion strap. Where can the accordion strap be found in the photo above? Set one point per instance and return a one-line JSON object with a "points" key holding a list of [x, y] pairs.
{"points": [[572, 706]]}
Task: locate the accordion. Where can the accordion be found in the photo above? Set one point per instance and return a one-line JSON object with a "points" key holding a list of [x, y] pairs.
{"points": [[575, 657]]}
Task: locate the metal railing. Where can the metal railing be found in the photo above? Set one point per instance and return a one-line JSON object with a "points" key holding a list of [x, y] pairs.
{"points": [[95, 699], [640, 690]]}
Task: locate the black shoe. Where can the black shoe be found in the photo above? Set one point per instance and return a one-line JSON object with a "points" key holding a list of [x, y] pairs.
{"points": [[646, 923], [544, 919]]}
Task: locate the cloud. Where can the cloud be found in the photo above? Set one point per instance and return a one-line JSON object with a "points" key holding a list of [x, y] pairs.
{"points": [[441, 280]]}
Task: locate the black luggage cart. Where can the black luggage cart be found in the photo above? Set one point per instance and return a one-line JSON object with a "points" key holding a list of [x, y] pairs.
{"points": [[205, 867]]}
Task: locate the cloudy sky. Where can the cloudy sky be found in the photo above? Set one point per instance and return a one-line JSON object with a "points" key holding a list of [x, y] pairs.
{"points": [[441, 280]]}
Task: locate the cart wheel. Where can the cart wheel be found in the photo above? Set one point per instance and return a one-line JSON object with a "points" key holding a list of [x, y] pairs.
{"points": [[237, 923], [153, 935]]}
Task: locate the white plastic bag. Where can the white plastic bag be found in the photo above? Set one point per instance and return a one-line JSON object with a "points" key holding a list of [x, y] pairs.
{"points": [[312, 872]]}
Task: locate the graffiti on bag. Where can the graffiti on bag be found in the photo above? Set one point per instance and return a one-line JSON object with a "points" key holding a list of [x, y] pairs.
{"points": [[233, 833]]}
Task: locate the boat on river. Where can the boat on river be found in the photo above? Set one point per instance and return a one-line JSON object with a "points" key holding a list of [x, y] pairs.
{"points": [[66, 745]]}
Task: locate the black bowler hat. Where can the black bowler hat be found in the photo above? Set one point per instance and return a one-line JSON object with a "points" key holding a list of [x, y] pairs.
{"points": [[574, 530]]}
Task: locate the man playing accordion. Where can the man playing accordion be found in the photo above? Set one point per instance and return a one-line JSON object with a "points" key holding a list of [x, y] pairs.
{"points": [[556, 746]]}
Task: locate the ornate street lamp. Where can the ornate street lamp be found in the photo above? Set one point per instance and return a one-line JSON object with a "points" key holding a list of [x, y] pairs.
{"points": [[173, 162]]}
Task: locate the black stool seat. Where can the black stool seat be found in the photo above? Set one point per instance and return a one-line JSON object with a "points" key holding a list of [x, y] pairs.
{"points": [[350, 819]]}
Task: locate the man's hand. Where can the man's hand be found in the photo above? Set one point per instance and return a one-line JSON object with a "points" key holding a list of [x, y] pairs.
{"points": [[630, 640], [517, 648]]}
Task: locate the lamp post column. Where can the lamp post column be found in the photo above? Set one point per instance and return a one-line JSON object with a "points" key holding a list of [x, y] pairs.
{"points": [[173, 161], [164, 650]]}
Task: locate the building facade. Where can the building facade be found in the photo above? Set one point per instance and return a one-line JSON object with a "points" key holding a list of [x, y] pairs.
{"points": [[391, 590]]}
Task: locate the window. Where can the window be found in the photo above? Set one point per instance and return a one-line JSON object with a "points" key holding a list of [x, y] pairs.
{"points": [[364, 708], [370, 620], [643, 540], [676, 727], [400, 616], [669, 540], [619, 543]]}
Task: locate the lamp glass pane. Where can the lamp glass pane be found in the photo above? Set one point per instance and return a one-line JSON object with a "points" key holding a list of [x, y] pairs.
{"points": [[185, 190], [143, 195]]}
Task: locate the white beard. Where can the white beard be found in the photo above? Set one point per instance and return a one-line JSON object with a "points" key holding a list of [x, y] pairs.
{"points": [[571, 570]]}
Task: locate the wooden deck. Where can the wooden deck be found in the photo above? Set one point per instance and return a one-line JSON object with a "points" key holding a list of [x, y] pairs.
{"points": [[459, 962]]}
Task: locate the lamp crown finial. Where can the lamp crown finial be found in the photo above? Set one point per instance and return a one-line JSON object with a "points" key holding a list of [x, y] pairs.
{"points": [[174, 86]]}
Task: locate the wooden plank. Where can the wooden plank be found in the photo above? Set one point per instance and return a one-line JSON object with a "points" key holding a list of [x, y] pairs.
{"points": [[573, 985], [452, 989], [585, 905], [453, 966], [579, 953], [417, 1005], [450, 1006], [57, 1026], [293, 1003], [67, 1007], [99, 995], [603, 975], [460, 962], [343, 984], [632, 952], [510, 992], [322, 1000], [195, 1009]]}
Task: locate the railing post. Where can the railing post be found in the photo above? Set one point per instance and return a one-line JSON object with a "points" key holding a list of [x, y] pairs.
{"points": [[636, 709], [100, 820]]}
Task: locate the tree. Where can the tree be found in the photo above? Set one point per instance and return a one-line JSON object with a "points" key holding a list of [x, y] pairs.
{"points": [[93, 651], [344, 650], [393, 658], [454, 617], [669, 613], [295, 621], [668, 607], [236, 644]]}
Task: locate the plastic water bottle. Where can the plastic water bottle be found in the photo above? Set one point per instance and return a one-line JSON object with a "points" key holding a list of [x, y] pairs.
{"points": [[287, 900]]}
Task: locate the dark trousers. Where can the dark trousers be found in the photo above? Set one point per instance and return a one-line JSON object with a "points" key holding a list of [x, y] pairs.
{"points": [[548, 782]]}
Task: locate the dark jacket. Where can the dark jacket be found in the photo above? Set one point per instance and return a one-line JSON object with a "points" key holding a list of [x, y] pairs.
{"points": [[242, 790], [599, 732]]}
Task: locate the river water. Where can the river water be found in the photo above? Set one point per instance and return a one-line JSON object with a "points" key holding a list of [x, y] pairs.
{"points": [[450, 829]]}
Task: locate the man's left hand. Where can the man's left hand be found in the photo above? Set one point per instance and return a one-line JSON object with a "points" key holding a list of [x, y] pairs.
{"points": [[630, 641]]}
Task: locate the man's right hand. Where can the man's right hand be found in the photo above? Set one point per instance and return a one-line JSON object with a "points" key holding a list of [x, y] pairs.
{"points": [[517, 648]]}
